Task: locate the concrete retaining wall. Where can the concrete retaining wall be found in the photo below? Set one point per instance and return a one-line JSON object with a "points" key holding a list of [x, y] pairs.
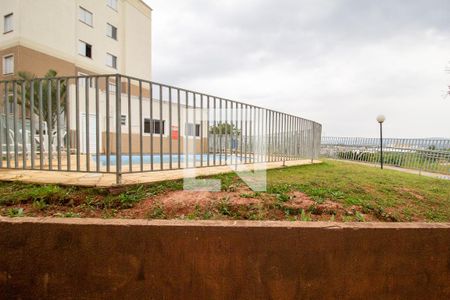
{"points": [[95, 259]]}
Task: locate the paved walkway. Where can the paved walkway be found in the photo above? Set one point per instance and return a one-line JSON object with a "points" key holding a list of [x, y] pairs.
{"points": [[410, 171], [106, 180]]}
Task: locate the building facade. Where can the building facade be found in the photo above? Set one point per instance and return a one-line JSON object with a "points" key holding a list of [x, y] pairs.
{"points": [[75, 37]]}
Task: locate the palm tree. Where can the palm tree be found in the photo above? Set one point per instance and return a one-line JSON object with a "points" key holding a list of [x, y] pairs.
{"points": [[46, 83]]}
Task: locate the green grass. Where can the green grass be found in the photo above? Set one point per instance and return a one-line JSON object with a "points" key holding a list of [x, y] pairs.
{"points": [[365, 193], [379, 191]]}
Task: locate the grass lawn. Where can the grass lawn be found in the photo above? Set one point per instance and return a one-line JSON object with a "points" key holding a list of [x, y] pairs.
{"points": [[331, 191]]}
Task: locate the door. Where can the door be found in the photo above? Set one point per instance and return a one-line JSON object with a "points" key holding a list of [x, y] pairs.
{"points": [[92, 134]]}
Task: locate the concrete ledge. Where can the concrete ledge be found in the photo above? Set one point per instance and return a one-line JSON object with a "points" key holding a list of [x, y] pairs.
{"points": [[109, 179], [138, 259]]}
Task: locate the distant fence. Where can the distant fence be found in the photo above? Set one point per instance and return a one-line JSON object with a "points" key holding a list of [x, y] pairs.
{"points": [[119, 124], [431, 155]]}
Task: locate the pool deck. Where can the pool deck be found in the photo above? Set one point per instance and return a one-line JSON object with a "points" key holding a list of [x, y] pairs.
{"points": [[108, 180]]}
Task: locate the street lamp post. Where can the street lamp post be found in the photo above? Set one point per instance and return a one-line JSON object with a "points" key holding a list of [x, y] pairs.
{"points": [[380, 120]]}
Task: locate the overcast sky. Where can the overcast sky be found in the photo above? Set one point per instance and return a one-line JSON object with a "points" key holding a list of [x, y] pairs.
{"points": [[338, 62]]}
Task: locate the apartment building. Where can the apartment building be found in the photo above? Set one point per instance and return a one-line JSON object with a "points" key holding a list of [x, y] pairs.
{"points": [[75, 37]]}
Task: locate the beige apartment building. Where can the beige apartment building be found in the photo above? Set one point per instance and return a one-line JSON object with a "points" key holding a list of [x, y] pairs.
{"points": [[93, 37], [76, 37]]}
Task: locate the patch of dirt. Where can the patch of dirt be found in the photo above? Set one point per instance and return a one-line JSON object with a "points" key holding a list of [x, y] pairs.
{"points": [[411, 192], [239, 203]]}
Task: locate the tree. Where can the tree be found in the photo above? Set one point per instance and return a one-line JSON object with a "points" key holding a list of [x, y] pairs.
{"points": [[224, 128], [46, 83]]}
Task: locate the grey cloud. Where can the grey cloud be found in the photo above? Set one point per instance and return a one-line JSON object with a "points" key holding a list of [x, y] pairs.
{"points": [[322, 59]]}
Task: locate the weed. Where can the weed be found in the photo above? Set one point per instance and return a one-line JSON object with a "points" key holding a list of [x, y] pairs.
{"points": [[359, 217], [40, 204], [224, 207], [15, 212], [157, 212], [305, 217]]}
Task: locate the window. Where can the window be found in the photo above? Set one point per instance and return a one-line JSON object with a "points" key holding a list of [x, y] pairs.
{"points": [[111, 61], [190, 129], [8, 23], [154, 126], [111, 31], [85, 49], [123, 120], [112, 4], [86, 16], [8, 64]]}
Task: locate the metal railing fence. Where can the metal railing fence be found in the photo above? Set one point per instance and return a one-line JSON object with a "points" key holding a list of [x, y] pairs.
{"points": [[119, 124], [430, 155]]}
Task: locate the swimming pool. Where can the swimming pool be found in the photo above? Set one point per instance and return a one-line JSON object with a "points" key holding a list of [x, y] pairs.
{"points": [[146, 159]]}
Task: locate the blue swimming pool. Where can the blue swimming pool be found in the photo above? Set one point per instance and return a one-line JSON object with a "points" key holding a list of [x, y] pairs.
{"points": [[146, 159]]}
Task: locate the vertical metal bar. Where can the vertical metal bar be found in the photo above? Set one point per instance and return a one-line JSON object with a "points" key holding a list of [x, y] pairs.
{"points": [[179, 127], [32, 130], [170, 128], [108, 126], [67, 111], [152, 126], [97, 126], [220, 133], [231, 132], [242, 132], [141, 131], [118, 130], [7, 133], [77, 123], [246, 133], [49, 124], [15, 116], [130, 132], [24, 134], [161, 127], [186, 133], [268, 133], [58, 122], [87, 114], [208, 130], [201, 130], [226, 126], [215, 131], [194, 137], [41, 143]]}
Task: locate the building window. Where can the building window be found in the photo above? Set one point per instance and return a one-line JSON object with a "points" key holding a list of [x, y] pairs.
{"points": [[111, 31], [112, 4], [111, 60], [154, 126], [85, 49], [8, 23], [123, 120], [86, 16], [8, 64], [190, 129]]}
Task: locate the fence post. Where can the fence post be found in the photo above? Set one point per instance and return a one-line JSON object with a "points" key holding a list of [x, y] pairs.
{"points": [[118, 130], [313, 143]]}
